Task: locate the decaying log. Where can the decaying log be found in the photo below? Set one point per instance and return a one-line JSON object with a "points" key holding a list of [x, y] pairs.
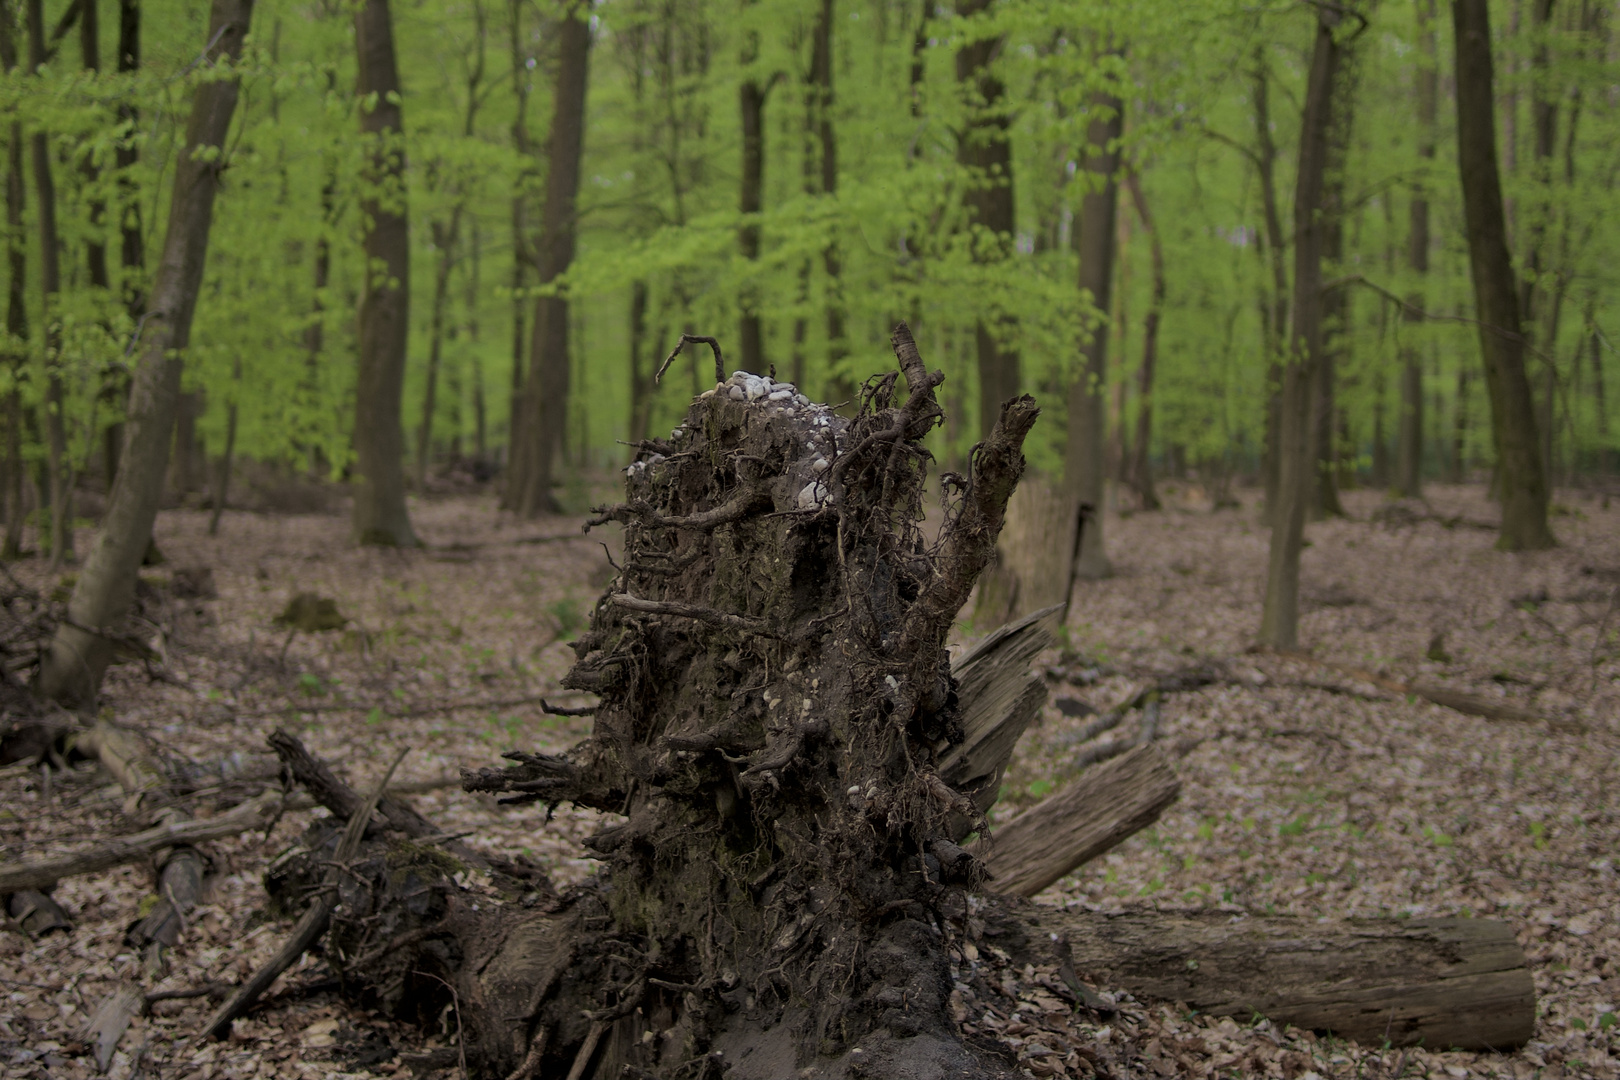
{"points": [[256, 813], [1440, 983], [1107, 804], [1456, 700]]}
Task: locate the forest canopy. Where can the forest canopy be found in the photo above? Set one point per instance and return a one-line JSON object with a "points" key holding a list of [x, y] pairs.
{"points": [[794, 178]]}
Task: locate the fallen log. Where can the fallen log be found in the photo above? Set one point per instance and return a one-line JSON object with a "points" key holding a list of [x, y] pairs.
{"points": [[1102, 808], [256, 813], [1456, 700], [1440, 983]]}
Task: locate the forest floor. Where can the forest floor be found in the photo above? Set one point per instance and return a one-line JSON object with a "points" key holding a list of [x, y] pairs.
{"points": [[1305, 790]]}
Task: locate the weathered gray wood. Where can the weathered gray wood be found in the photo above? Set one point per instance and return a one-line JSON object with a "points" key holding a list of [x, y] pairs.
{"points": [[1439, 982], [1104, 806], [998, 698], [109, 1023]]}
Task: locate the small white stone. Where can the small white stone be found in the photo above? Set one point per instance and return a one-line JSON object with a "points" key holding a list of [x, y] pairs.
{"points": [[736, 393], [676, 434], [780, 395], [894, 684], [812, 495], [802, 400], [820, 466]]}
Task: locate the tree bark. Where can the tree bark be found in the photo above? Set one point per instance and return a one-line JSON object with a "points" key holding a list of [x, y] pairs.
{"points": [[522, 255], [222, 478], [16, 305], [640, 373], [544, 416], [832, 264], [1296, 459], [445, 239], [1275, 251], [80, 651], [984, 152], [751, 200], [380, 515], [1428, 982], [1521, 481], [1409, 431], [50, 276], [1142, 466], [132, 243], [1107, 804], [1085, 465]]}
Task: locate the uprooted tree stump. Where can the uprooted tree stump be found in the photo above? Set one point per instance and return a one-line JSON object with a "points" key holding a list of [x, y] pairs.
{"points": [[792, 764], [774, 692]]}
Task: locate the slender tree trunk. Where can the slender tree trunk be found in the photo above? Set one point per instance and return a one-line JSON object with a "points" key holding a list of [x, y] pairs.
{"points": [[95, 244], [315, 331], [480, 407], [1274, 250], [445, 238], [78, 656], [1084, 458], [1522, 483], [16, 357], [985, 154], [1409, 432], [522, 256], [1335, 336], [1296, 459], [222, 478], [640, 373], [1459, 428], [751, 200], [132, 244], [821, 90], [380, 516], [16, 319], [50, 274], [1142, 467], [545, 392]]}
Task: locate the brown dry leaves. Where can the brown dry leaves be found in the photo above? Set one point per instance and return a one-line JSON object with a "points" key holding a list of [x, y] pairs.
{"points": [[1322, 802]]}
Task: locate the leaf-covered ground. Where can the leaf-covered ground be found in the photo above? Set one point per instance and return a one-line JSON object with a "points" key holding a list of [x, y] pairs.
{"points": [[1305, 789]]}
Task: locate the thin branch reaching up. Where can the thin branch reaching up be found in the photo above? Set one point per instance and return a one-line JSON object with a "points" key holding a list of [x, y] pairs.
{"points": [[1406, 305], [687, 339]]}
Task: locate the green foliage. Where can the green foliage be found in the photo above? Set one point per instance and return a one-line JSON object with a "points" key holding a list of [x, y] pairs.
{"points": [[274, 335]]}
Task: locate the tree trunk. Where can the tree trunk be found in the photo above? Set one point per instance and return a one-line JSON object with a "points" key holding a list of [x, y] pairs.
{"points": [[1459, 429], [1274, 250], [1142, 466], [1296, 459], [1084, 464], [984, 152], [1335, 314], [750, 202], [522, 256], [445, 238], [16, 310], [78, 656], [640, 373], [132, 245], [1522, 484], [480, 407], [380, 516], [50, 276], [95, 243], [821, 91], [544, 414], [222, 479], [1409, 431]]}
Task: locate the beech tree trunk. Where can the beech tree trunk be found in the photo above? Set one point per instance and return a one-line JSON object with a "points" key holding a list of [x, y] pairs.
{"points": [[50, 276], [1296, 459], [1274, 250], [543, 419], [1409, 431], [445, 239], [751, 200], [78, 657], [821, 94], [1085, 464], [16, 304], [1142, 465], [1521, 479], [985, 154], [380, 516]]}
